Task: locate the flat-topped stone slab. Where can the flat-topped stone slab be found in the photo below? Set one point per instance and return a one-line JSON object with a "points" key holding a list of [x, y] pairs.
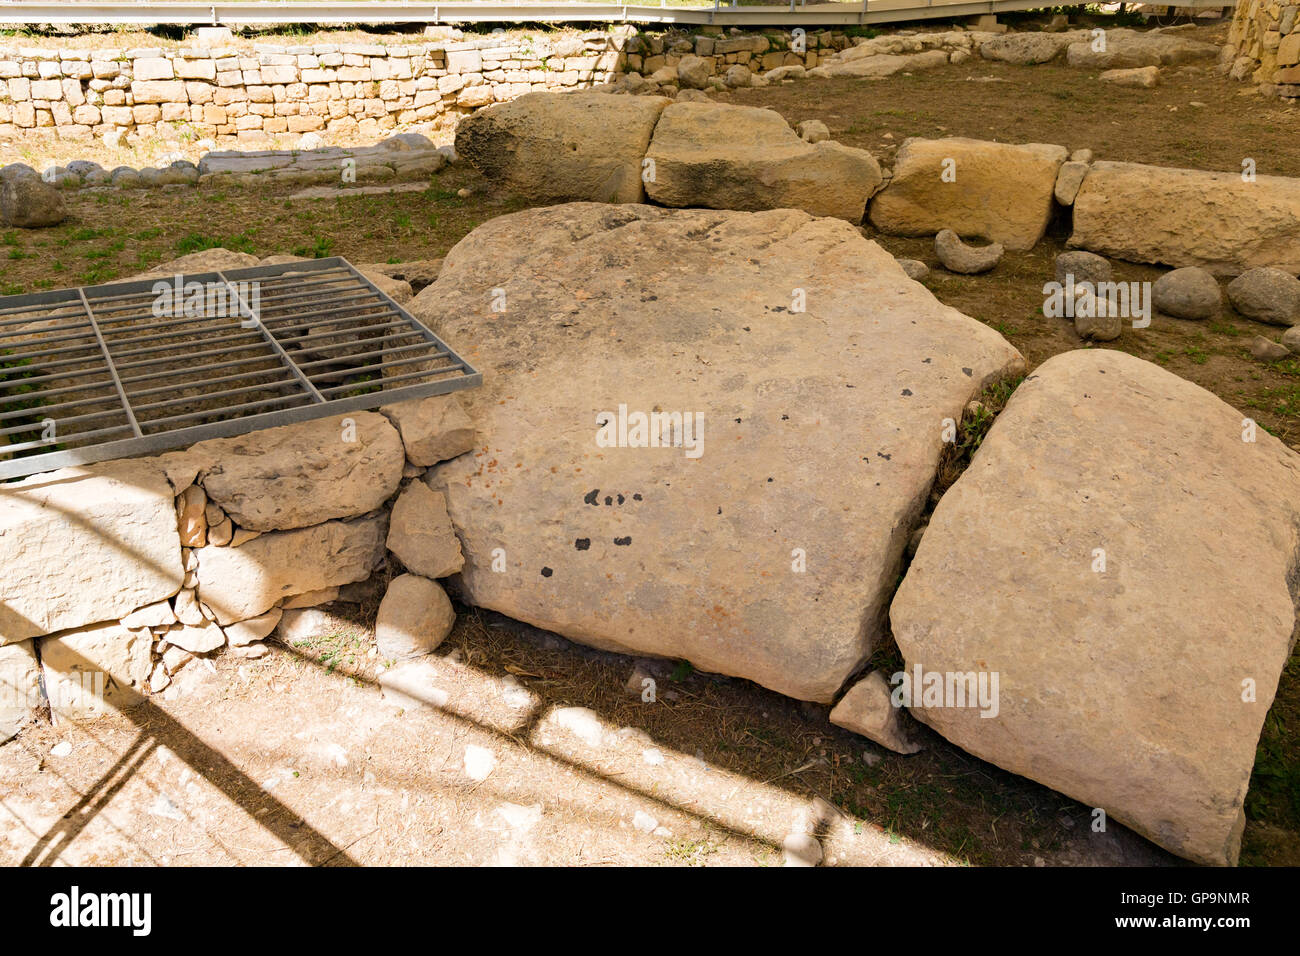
{"points": [[816, 377]]}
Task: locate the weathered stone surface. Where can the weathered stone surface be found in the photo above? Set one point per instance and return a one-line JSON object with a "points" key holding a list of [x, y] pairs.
{"points": [[1188, 293], [1128, 49], [299, 475], [868, 710], [29, 202], [1068, 180], [1120, 687], [693, 72], [1187, 217], [420, 533], [414, 617], [311, 598], [915, 268], [254, 629], [1266, 350], [242, 583], [1024, 49], [205, 260], [20, 686], [557, 147], [89, 671], [85, 544], [1083, 266], [1143, 77], [432, 429], [881, 65], [151, 615], [688, 311], [956, 256], [1266, 295], [739, 157], [996, 191], [191, 507], [813, 131], [1093, 318], [200, 638]]}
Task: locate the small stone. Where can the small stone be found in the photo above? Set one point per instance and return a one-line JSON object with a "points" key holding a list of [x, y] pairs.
{"points": [[643, 822], [915, 268], [1189, 293], [61, 749], [1093, 319], [414, 617], [1144, 77], [813, 131], [1068, 180], [254, 629], [1084, 266], [190, 512], [197, 639], [652, 757], [1266, 350], [868, 709], [29, 202], [738, 76], [222, 534], [174, 658], [186, 608], [159, 614], [159, 679], [1266, 295], [1291, 339], [421, 535], [958, 257]]}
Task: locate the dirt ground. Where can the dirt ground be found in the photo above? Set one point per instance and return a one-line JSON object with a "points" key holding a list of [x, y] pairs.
{"points": [[296, 758]]}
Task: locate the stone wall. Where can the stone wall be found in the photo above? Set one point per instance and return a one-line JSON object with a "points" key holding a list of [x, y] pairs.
{"points": [[118, 575], [1265, 42], [347, 89]]}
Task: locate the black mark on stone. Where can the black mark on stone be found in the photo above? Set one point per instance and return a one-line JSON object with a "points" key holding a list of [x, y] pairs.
{"points": [[582, 544], [623, 542], [608, 501], [547, 572], [907, 391], [590, 498], [967, 372]]}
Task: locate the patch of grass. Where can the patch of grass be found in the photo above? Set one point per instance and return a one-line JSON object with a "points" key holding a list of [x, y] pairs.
{"points": [[321, 248], [197, 242]]}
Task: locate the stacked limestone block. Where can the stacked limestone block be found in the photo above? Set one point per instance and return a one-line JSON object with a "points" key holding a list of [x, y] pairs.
{"points": [[1264, 46], [120, 574], [251, 92]]}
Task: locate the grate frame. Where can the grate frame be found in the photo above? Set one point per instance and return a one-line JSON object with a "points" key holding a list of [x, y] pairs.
{"points": [[330, 292]]}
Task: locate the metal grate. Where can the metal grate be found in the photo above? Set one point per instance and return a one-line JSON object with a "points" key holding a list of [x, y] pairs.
{"points": [[131, 368]]}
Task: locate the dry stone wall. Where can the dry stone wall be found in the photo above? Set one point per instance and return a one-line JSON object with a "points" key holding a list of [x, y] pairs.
{"points": [[1264, 45], [253, 91], [166, 559]]}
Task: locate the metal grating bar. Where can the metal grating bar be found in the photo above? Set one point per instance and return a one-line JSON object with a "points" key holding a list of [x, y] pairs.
{"points": [[118, 375], [108, 360]]}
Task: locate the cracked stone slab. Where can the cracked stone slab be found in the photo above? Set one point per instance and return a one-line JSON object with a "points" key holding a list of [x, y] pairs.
{"points": [[1127, 565]]}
